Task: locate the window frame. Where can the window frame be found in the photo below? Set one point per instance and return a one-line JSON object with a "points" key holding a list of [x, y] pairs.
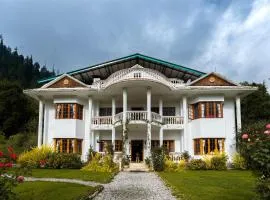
{"points": [[206, 109], [68, 111], [209, 147]]}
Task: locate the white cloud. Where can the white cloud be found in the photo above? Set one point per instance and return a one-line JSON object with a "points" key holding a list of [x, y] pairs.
{"points": [[239, 47]]}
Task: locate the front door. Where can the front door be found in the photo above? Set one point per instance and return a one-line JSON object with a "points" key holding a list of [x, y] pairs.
{"points": [[136, 150]]}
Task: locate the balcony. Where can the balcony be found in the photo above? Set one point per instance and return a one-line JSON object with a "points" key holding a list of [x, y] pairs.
{"points": [[137, 117]]}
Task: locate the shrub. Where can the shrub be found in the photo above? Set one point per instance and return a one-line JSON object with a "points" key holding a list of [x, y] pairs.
{"points": [[196, 164], [185, 155], [148, 162], [158, 158], [63, 160], [33, 157], [218, 162], [101, 164], [239, 161], [170, 165], [207, 159], [91, 153], [181, 165]]}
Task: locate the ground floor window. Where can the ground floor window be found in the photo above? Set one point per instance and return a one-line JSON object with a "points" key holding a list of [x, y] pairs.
{"points": [[68, 145], [208, 145], [168, 144], [104, 143]]}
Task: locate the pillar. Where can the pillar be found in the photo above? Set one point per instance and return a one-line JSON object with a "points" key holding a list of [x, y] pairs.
{"points": [[40, 123], [113, 121], [148, 137], [89, 137], [238, 113], [185, 115], [125, 133], [161, 129]]}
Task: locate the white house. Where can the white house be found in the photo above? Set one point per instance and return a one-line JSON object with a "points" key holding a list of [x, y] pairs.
{"points": [[160, 103]]}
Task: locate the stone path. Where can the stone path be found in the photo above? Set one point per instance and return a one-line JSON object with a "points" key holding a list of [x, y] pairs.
{"points": [[135, 185], [64, 180]]}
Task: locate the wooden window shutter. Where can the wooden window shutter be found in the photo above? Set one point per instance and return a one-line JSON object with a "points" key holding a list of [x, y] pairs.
{"points": [[200, 110]]}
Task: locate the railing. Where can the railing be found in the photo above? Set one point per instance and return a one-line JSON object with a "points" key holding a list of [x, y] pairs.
{"points": [[173, 120], [102, 120], [137, 115], [135, 73]]}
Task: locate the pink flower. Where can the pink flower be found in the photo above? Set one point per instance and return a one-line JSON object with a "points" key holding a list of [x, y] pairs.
{"points": [[8, 164], [267, 132], [1, 153], [2, 165], [267, 126], [245, 136], [20, 179]]}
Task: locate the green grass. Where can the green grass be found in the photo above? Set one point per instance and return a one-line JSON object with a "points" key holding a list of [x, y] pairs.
{"points": [[210, 185], [101, 177], [51, 190]]}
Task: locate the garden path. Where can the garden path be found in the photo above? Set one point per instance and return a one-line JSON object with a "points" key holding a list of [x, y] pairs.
{"points": [[135, 185]]}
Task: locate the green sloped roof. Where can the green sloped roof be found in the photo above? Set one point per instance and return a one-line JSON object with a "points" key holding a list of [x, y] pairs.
{"points": [[133, 56]]}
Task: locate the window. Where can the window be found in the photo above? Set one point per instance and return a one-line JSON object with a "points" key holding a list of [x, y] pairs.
{"points": [[67, 145], [103, 144], [154, 144], [155, 109], [169, 144], [68, 111], [206, 110], [208, 145], [105, 111], [118, 145], [168, 111], [118, 110]]}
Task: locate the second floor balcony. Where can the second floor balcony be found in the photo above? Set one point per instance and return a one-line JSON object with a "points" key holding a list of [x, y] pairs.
{"points": [[137, 117]]}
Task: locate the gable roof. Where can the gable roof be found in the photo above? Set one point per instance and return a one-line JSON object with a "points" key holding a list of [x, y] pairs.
{"points": [[103, 70], [62, 77], [218, 80]]}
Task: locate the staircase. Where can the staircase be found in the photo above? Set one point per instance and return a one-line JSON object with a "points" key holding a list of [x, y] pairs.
{"points": [[137, 167]]}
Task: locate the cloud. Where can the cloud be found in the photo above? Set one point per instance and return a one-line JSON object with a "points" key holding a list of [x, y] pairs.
{"points": [[229, 36]]}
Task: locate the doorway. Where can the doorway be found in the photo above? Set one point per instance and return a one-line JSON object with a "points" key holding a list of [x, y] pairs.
{"points": [[136, 150]]}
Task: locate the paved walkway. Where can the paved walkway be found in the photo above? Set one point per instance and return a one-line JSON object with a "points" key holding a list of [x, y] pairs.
{"points": [[64, 180], [135, 185]]}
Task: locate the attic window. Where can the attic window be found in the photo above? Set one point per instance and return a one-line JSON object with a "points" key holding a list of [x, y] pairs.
{"points": [[137, 75]]}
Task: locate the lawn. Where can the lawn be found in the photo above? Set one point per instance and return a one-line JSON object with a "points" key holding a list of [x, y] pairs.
{"points": [[52, 190], [210, 185], [101, 177]]}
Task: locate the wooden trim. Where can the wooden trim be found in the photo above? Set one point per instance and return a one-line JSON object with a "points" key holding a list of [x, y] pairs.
{"points": [[201, 146], [208, 145], [223, 145], [61, 145], [75, 146], [216, 141], [68, 140]]}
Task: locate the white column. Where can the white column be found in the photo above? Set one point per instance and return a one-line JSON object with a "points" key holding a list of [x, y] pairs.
{"points": [[161, 129], [148, 137], [40, 123], [96, 140], [89, 135], [185, 115], [45, 122], [238, 113], [113, 121], [125, 134]]}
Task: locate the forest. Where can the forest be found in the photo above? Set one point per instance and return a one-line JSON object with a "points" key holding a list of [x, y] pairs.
{"points": [[19, 113]]}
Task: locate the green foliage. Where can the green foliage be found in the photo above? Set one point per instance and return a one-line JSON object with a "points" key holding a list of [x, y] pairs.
{"points": [[196, 164], [256, 150], [158, 158], [207, 160], [239, 161], [148, 162], [219, 162], [91, 153], [257, 102], [63, 160], [33, 157], [101, 164], [169, 165], [185, 155]]}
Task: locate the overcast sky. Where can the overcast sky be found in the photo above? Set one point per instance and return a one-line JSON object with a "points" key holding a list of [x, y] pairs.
{"points": [[230, 37]]}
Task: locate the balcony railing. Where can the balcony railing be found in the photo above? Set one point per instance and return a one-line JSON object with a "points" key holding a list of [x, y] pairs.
{"points": [[138, 116]]}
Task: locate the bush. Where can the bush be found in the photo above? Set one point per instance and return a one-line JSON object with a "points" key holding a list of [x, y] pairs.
{"points": [[238, 161], [196, 164], [158, 158], [218, 162], [170, 166], [181, 165], [101, 164], [33, 157], [263, 187], [148, 162], [207, 159], [63, 160], [185, 155]]}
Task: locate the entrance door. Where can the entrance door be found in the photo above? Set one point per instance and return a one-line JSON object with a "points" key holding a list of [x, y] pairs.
{"points": [[136, 150]]}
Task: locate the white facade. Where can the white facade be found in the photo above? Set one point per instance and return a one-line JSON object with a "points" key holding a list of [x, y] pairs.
{"points": [[141, 99]]}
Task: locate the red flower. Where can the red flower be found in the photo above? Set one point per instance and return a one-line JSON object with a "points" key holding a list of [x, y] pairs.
{"points": [[13, 156], [2, 165], [20, 179], [10, 150], [1, 153], [8, 165], [245, 136]]}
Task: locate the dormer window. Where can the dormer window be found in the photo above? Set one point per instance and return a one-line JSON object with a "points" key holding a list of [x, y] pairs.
{"points": [[68, 111]]}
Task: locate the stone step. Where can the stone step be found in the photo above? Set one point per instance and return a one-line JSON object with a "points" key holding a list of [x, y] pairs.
{"points": [[137, 167]]}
